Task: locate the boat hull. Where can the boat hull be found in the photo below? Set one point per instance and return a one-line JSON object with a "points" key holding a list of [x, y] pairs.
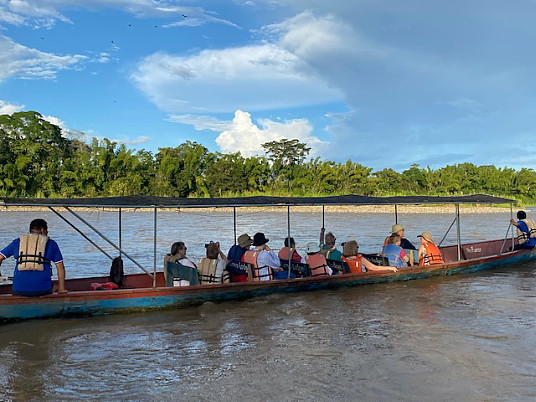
{"points": [[142, 298]]}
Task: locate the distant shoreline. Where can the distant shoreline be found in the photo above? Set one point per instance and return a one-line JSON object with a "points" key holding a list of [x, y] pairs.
{"points": [[370, 209]]}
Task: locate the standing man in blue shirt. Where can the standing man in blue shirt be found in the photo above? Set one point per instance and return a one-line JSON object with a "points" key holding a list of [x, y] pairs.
{"points": [[34, 254]]}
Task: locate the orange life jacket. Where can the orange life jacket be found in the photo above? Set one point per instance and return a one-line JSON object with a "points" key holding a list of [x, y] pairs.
{"points": [[433, 255], [317, 263], [354, 263], [283, 255], [250, 257]]}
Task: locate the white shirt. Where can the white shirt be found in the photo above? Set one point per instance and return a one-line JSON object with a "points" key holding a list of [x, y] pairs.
{"points": [[187, 263], [267, 259]]}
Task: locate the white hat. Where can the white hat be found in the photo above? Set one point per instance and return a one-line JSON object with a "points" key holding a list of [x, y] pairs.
{"points": [[312, 248]]}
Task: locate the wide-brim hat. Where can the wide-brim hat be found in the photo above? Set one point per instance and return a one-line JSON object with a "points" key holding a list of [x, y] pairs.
{"points": [[312, 248], [426, 236], [259, 239], [396, 228], [244, 240]]}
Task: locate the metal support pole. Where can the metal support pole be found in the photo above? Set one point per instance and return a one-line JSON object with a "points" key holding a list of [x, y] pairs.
{"points": [[81, 233], [396, 214], [505, 238], [120, 234], [154, 247], [109, 241], [458, 235], [512, 217], [323, 217], [288, 237], [234, 223], [448, 230]]}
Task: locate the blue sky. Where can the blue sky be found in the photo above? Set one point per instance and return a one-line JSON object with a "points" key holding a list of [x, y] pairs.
{"points": [[384, 83]]}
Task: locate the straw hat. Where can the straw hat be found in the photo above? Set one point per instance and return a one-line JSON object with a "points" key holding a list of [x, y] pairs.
{"points": [[244, 240], [426, 236], [397, 228], [312, 248]]}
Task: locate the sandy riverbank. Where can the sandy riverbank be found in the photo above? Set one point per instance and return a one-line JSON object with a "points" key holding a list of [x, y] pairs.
{"points": [[367, 209]]}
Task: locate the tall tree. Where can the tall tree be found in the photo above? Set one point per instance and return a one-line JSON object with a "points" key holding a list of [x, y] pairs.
{"points": [[35, 151], [285, 156]]}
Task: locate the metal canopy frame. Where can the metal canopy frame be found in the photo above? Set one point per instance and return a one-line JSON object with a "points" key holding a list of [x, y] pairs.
{"points": [[155, 203]]}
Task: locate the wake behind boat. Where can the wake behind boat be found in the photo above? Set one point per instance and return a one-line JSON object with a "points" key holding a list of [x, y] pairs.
{"points": [[149, 291]]}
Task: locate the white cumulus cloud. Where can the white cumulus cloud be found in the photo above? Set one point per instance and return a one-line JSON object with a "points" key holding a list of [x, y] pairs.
{"points": [[9, 108], [23, 62], [244, 136], [257, 77]]}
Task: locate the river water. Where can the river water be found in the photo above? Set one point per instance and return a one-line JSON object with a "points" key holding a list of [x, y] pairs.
{"points": [[467, 337]]}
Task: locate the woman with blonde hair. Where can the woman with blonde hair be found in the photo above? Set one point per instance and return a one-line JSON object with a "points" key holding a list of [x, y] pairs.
{"points": [[429, 253]]}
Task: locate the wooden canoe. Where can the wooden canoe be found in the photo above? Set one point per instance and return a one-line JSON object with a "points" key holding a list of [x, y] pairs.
{"points": [[140, 295]]}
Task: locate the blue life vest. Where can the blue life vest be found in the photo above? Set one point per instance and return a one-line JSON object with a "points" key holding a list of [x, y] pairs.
{"points": [[392, 252]]}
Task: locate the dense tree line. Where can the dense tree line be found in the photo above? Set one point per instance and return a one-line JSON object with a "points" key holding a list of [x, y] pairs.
{"points": [[37, 161]]}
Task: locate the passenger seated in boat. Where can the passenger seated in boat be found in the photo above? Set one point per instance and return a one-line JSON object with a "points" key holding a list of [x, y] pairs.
{"points": [[316, 261], [178, 255], [237, 251], [429, 253], [409, 248], [327, 246], [526, 231], [285, 252], [264, 260], [211, 269], [396, 254], [34, 254], [236, 254], [404, 243], [359, 264]]}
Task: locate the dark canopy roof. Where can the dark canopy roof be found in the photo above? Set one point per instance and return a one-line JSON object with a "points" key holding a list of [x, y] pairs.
{"points": [[176, 202]]}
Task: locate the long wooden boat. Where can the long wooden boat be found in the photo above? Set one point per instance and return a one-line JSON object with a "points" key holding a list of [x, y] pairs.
{"points": [[148, 291]]}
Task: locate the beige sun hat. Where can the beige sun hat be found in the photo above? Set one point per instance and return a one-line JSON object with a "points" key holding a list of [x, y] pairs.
{"points": [[244, 240], [397, 228], [426, 236]]}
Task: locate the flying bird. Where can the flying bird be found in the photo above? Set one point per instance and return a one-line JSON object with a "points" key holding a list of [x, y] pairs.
{"points": [[185, 16]]}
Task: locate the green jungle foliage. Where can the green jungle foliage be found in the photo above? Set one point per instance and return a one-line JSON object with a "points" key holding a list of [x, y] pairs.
{"points": [[37, 161]]}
